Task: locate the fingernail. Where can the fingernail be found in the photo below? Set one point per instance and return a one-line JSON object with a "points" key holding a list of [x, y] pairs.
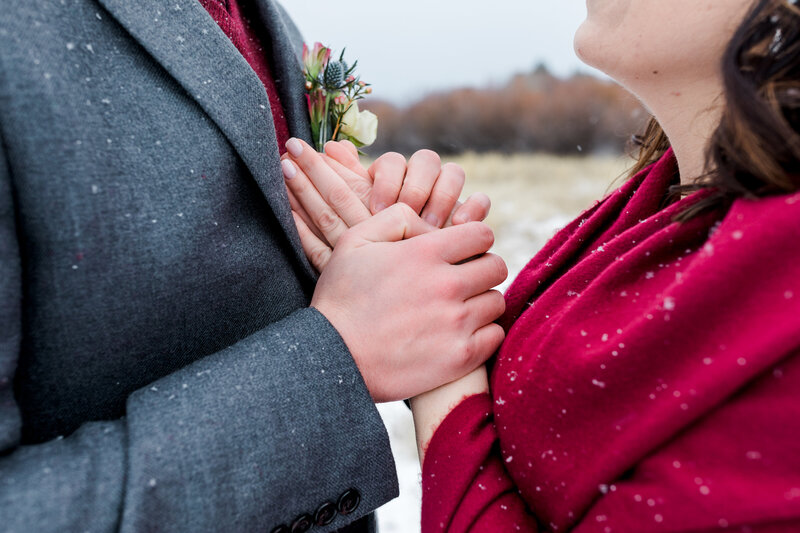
{"points": [[432, 219], [380, 207], [294, 147], [289, 170]]}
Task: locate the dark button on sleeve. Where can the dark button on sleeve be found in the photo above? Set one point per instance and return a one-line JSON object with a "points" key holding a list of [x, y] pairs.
{"points": [[302, 524], [348, 502], [325, 514], [281, 529]]}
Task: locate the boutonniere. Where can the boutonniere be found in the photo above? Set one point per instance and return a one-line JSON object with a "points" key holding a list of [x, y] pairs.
{"points": [[333, 90]]}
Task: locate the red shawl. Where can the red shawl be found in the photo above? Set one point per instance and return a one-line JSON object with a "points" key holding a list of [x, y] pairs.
{"points": [[649, 380]]}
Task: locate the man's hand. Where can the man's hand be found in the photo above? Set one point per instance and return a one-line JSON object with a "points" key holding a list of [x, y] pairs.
{"points": [[332, 192], [413, 307]]}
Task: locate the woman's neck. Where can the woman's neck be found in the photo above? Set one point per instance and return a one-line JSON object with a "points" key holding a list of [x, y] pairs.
{"points": [[689, 113]]}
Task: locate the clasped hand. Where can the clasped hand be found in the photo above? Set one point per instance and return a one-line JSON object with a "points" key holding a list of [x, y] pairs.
{"points": [[414, 303]]}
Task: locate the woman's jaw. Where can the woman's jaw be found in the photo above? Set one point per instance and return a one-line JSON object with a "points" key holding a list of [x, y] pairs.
{"points": [[668, 54]]}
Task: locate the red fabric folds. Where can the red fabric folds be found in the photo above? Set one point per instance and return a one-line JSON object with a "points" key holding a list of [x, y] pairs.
{"points": [[474, 490], [649, 380]]}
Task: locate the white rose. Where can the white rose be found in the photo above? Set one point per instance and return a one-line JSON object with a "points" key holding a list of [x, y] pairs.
{"points": [[360, 125]]}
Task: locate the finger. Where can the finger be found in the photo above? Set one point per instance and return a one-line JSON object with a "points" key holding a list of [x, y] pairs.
{"points": [[297, 207], [318, 252], [320, 213], [481, 274], [444, 195], [395, 223], [354, 177], [351, 148], [485, 308], [388, 173], [452, 213], [483, 344], [476, 207], [341, 151], [330, 185], [423, 170], [459, 243]]}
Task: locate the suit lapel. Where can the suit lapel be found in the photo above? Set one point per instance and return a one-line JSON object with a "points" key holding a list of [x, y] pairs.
{"points": [[186, 41], [286, 65]]}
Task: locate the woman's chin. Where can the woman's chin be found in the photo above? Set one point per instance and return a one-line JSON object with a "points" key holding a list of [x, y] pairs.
{"points": [[585, 43]]}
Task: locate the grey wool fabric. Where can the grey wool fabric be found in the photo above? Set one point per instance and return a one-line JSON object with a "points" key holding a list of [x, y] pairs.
{"points": [[159, 367]]}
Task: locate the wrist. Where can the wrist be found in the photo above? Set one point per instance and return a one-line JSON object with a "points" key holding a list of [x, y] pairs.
{"points": [[431, 408]]}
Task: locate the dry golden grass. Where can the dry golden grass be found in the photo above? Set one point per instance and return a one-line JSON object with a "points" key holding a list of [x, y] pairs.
{"points": [[543, 186]]}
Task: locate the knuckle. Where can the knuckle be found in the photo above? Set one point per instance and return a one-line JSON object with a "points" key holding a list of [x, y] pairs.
{"points": [[339, 196], [468, 352], [362, 189], [414, 194], [326, 220], [319, 256], [461, 317], [444, 196], [298, 186]]}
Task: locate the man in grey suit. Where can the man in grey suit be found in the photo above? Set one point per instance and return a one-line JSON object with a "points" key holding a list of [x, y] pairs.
{"points": [[160, 369]]}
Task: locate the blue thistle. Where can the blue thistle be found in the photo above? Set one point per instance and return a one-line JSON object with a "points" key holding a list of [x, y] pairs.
{"points": [[334, 75]]}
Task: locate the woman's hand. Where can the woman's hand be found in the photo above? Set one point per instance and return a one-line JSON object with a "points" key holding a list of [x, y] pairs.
{"points": [[431, 408], [332, 192]]}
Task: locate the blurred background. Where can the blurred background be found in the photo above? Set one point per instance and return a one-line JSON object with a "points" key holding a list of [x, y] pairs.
{"points": [[496, 87]]}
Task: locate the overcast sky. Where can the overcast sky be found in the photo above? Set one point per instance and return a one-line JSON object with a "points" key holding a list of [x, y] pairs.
{"points": [[410, 47]]}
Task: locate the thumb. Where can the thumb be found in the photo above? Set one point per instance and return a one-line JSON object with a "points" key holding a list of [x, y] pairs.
{"points": [[396, 223]]}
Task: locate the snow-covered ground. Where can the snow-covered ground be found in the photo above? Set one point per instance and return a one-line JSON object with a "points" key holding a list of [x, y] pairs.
{"points": [[533, 196]]}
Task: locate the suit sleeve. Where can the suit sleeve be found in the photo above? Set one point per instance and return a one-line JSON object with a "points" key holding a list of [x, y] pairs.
{"points": [[465, 486], [246, 439]]}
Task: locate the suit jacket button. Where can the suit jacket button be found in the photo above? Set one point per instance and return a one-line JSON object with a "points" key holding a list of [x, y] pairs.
{"points": [[302, 524], [348, 502], [281, 529], [325, 514]]}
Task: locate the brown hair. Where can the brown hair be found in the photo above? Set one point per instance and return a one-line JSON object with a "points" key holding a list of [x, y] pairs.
{"points": [[755, 150]]}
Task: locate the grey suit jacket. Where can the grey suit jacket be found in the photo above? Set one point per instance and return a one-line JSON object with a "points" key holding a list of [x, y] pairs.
{"points": [[159, 367]]}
